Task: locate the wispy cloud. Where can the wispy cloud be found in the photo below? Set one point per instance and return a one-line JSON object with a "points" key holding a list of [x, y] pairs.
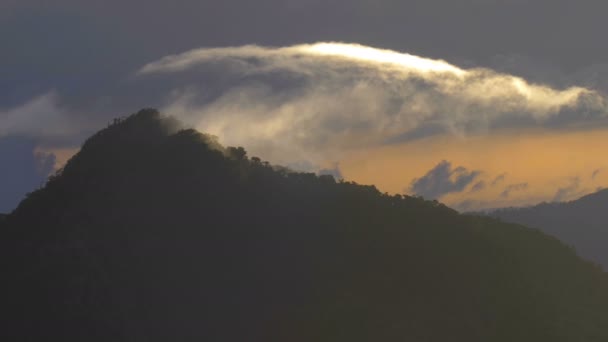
{"points": [[40, 117], [334, 172], [320, 100], [478, 186], [499, 179], [443, 179], [570, 191], [513, 188]]}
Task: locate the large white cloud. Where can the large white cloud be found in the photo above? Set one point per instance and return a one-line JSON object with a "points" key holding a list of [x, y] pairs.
{"points": [[319, 101]]}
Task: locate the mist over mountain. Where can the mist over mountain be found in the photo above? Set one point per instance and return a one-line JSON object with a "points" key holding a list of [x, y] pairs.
{"points": [[157, 233], [581, 223]]}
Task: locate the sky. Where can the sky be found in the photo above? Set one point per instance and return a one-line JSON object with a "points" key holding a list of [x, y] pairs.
{"points": [[476, 103]]}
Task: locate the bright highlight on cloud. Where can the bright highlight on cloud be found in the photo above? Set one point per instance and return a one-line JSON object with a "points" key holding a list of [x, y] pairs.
{"points": [[344, 95], [330, 60], [373, 55], [318, 104], [338, 50]]}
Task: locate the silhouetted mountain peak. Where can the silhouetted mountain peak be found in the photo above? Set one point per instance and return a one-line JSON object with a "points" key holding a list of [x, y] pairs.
{"points": [[141, 127], [156, 233]]}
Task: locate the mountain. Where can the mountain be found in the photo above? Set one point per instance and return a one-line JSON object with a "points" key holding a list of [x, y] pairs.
{"points": [[582, 223], [155, 233]]}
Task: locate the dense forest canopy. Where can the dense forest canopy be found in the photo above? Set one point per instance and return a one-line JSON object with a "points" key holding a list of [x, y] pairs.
{"points": [[156, 233]]}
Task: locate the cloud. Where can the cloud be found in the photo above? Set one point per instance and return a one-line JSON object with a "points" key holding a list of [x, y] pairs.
{"points": [[45, 162], [40, 117], [569, 191], [22, 170], [289, 58], [595, 173], [478, 186], [36, 138], [60, 155], [468, 206], [320, 100], [513, 188], [443, 179], [50, 48], [334, 171], [499, 179]]}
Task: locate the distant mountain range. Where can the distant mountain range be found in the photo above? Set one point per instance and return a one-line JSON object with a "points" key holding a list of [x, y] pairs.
{"points": [[582, 224], [154, 233]]}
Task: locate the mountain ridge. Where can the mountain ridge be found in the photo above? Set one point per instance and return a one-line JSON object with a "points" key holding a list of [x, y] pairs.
{"points": [[580, 223], [154, 233]]}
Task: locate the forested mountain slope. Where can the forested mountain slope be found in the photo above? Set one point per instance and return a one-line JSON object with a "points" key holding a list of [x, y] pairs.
{"points": [[151, 233]]}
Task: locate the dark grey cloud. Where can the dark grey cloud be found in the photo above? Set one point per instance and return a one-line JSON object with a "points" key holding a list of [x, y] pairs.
{"points": [[85, 47], [55, 48], [468, 30], [513, 188], [442, 180]]}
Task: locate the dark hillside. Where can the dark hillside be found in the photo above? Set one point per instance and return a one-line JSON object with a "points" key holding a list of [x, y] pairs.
{"points": [[582, 223], [155, 234]]}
